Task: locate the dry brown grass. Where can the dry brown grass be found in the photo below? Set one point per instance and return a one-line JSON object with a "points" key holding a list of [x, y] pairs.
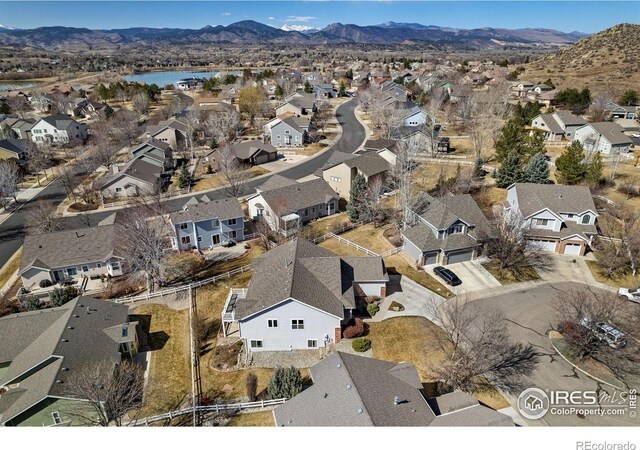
{"points": [[217, 180], [369, 237], [340, 249], [254, 419], [627, 280], [509, 276], [10, 267]]}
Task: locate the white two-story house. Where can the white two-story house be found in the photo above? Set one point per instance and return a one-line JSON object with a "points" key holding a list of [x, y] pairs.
{"points": [[607, 138], [300, 296], [207, 224], [58, 129], [556, 218], [451, 229], [557, 125]]}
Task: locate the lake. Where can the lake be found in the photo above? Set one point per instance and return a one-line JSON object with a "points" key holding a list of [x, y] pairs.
{"points": [[171, 76], [17, 85]]}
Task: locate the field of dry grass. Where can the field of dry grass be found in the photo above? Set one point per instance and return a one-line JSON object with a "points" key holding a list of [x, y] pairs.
{"points": [[340, 249], [627, 280], [217, 180], [254, 419], [369, 237]]}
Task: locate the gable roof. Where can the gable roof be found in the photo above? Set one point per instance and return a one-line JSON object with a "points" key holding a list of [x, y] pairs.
{"points": [[171, 123], [247, 149], [612, 132], [16, 146], [369, 164], [59, 121], [306, 101], [136, 168], [67, 338], [558, 198], [297, 196], [353, 390], [68, 247], [309, 274], [381, 144], [227, 208], [552, 123], [444, 211], [568, 118]]}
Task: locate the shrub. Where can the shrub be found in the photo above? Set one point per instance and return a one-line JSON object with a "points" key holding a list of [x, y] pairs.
{"points": [[209, 169], [354, 328], [337, 225], [285, 383], [60, 296], [252, 387], [361, 344], [31, 303], [45, 283], [372, 309]]}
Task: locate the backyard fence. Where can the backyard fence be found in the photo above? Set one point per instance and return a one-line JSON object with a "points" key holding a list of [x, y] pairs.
{"points": [[208, 409]]}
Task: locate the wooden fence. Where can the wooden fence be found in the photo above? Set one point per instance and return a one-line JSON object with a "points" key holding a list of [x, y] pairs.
{"points": [[208, 408]]}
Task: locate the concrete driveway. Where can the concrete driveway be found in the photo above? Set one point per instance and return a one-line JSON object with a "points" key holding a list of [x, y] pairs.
{"points": [[416, 299], [530, 317], [474, 277]]}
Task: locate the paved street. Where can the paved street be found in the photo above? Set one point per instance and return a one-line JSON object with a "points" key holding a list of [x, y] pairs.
{"points": [[12, 229], [530, 315]]}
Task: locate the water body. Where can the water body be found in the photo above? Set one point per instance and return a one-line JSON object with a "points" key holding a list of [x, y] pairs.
{"points": [[17, 85], [172, 76]]}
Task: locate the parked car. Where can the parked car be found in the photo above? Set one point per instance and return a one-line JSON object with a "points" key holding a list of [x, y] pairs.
{"points": [[636, 135], [605, 332], [447, 275], [633, 295]]}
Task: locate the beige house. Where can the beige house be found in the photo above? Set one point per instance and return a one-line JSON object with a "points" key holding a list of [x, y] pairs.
{"points": [[371, 166]]}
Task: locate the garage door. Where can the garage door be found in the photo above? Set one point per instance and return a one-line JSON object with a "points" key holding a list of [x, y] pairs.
{"points": [[430, 258], [572, 249], [548, 246], [459, 256]]}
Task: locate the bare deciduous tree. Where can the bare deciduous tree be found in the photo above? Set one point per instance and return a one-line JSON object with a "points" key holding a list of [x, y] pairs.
{"points": [[251, 102], [223, 125], [68, 178], [578, 310], [19, 105], [140, 102], [402, 176], [41, 216], [479, 353], [9, 179], [233, 171], [61, 103], [107, 392], [6, 132], [598, 109]]}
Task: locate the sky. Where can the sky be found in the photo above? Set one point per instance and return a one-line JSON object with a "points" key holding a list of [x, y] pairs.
{"points": [[585, 16]]}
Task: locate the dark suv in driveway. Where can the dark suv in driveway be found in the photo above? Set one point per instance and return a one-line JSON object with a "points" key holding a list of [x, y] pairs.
{"points": [[447, 275]]}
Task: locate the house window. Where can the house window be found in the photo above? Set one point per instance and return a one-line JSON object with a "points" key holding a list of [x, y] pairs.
{"points": [[185, 239], [313, 209], [85, 268], [570, 216], [215, 239], [306, 212], [183, 226], [233, 234], [71, 271], [56, 417], [199, 238], [98, 265], [297, 324], [541, 222], [231, 222], [216, 223], [260, 212], [312, 343], [115, 265], [586, 219], [456, 229], [118, 189], [125, 331], [272, 323], [256, 343]]}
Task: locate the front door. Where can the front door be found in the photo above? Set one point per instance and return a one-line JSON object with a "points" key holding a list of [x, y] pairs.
{"points": [[57, 275], [215, 239]]}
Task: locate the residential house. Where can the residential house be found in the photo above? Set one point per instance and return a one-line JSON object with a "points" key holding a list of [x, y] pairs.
{"points": [[300, 296], [172, 131], [58, 129], [521, 88], [13, 149], [451, 230], [622, 112], [414, 116], [207, 224], [351, 390], [325, 91], [607, 138], [473, 79], [290, 132], [557, 125], [73, 255], [373, 167], [290, 203], [43, 350], [21, 127], [138, 177], [395, 90], [156, 152], [249, 153], [84, 107], [555, 217], [299, 105], [386, 148]]}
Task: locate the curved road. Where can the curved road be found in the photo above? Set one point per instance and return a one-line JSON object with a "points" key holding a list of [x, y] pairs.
{"points": [[12, 229]]}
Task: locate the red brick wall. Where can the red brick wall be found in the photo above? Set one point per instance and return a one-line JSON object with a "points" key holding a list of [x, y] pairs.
{"points": [[338, 335]]}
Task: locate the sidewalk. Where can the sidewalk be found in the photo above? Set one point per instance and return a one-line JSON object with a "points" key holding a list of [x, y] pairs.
{"points": [[24, 196]]}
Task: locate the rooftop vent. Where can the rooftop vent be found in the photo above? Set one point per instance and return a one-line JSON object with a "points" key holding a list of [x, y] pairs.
{"points": [[348, 386], [69, 328], [360, 410], [59, 381], [65, 340], [339, 365]]}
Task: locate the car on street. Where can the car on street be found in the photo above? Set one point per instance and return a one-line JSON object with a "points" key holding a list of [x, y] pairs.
{"points": [[633, 295], [636, 135], [447, 275], [605, 332]]}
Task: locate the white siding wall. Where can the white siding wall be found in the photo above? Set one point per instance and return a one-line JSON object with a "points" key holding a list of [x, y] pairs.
{"points": [[371, 289], [553, 224], [318, 325]]}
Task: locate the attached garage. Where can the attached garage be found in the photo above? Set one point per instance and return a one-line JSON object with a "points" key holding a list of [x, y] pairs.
{"points": [[572, 249], [546, 245], [460, 256], [430, 258]]}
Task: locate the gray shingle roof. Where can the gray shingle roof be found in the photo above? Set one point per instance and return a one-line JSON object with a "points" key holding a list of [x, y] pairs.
{"points": [[60, 121], [381, 144], [16, 146], [276, 181], [423, 237], [245, 150], [69, 247], [552, 123], [299, 196], [135, 168], [556, 197], [75, 338], [369, 164], [444, 211], [309, 274], [568, 118], [228, 208], [612, 132]]}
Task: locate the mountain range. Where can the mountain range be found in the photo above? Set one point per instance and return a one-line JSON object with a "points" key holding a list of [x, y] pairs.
{"points": [[251, 32]]}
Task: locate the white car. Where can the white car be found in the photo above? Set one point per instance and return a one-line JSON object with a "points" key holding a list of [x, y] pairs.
{"points": [[632, 295], [636, 135]]}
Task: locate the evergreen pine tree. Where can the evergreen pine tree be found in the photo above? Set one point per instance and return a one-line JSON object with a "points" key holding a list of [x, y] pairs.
{"points": [[569, 165], [284, 383], [512, 138], [279, 92], [356, 208], [511, 171], [478, 170], [533, 145], [594, 169], [537, 170], [184, 179], [307, 87]]}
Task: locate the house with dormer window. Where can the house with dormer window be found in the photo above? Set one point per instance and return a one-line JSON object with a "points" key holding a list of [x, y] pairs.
{"points": [[450, 230], [556, 218]]}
